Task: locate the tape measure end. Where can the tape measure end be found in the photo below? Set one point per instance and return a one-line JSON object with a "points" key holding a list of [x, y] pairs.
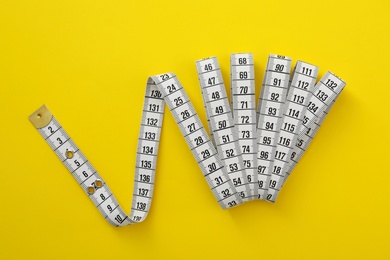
{"points": [[345, 83], [41, 117]]}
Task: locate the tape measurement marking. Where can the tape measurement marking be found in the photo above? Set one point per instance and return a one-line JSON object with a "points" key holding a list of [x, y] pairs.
{"points": [[243, 103], [325, 93], [303, 143], [160, 88], [299, 93], [221, 123], [270, 108]]}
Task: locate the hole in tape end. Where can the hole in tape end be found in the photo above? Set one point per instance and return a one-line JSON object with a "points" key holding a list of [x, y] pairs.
{"points": [[41, 117]]}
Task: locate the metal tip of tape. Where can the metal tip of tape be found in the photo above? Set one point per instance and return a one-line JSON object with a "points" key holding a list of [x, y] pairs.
{"points": [[41, 117]]}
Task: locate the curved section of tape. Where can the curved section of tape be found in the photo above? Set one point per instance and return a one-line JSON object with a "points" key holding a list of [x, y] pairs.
{"points": [[160, 89]]}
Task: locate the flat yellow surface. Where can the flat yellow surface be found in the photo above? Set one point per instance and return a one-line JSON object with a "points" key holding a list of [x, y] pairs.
{"points": [[88, 61]]}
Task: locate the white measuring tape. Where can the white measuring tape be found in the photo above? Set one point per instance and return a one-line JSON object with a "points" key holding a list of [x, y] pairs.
{"points": [[304, 79], [164, 88], [269, 140], [324, 95], [221, 123], [242, 98], [270, 108]]}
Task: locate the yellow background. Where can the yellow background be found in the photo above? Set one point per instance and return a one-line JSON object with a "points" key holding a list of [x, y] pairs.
{"points": [[88, 61]]}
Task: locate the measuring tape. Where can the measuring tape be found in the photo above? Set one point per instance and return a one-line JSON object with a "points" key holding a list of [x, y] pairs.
{"points": [[221, 123], [164, 88], [325, 93], [270, 138], [269, 113], [304, 79], [242, 99]]}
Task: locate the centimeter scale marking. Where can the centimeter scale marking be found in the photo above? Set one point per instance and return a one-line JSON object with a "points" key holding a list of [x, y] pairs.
{"points": [[325, 93], [242, 92], [300, 90], [270, 108], [160, 88], [303, 143], [221, 122]]}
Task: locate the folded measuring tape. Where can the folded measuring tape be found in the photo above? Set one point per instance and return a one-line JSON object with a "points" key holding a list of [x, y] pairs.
{"points": [[270, 139]]}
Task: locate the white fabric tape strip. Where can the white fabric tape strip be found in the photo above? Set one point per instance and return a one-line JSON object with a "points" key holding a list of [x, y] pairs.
{"points": [[303, 143], [243, 103], [164, 88], [270, 108], [299, 93], [271, 138], [221, 122], [325, 93]]}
